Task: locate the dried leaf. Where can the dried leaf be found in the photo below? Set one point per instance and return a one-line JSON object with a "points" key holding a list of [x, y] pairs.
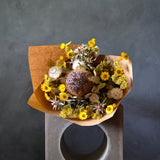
{"points": [[101, 85]]}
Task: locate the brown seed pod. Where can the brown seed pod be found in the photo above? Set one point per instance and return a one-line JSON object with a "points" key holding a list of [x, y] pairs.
{"points": [[77, 82]]}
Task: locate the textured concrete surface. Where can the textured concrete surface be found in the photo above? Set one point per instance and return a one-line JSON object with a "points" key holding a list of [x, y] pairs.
{"points": [[65, 141], [132, 26]]}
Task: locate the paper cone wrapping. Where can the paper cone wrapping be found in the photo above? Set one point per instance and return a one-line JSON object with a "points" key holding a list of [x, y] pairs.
{"points": [[39, 56]]}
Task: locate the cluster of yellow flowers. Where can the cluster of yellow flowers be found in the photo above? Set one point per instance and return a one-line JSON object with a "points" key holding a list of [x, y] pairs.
{"points": [[119, 77], [110, 108], [46, 86], [63, 95], [67, 47], [84, 113], [91, 43], [66, 112], [123, 55]]}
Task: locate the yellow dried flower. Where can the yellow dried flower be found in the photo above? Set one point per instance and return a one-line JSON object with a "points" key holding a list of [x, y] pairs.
{"points": [[64, 64], [99, 116], [62, 46], [67, 48], [125, 55], [119, 81], [109, 109], [114, 105], [89, 107], [59, 64], [93, 115], [70, 54], [118, 71], [96, 115], [62, 87], [66, 111], [63, 114], [123, 85], [94, 40], [75, 115], [47, 80], [91, 43], [82, 115], [63, 96], [114, 77], [45, 87], [117, 64], [89, 48], [46, 96], [69, 111], [61, 58], [104, 76], [119, 58]]}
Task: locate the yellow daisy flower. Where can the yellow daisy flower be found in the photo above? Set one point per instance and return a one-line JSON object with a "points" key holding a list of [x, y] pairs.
{"points": [[125, 55], [91, 43], [104, 76], [70, 54], [63, 96], [45, 87], [109, 109], [82, 115], [62, 46], [62, 87], [46, 96], [119, 58], [118, 71]]}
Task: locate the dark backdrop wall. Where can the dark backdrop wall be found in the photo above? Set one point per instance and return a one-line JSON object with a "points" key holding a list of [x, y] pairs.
{"points": [[132, 26]]}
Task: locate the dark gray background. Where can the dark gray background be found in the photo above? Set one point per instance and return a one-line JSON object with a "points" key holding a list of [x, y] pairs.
{"points": [[132, 26]]}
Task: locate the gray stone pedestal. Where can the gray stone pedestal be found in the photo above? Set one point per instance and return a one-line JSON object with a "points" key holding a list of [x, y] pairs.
{"points": [[111, 149]]}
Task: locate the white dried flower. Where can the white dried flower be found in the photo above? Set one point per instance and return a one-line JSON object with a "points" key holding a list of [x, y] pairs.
{"points": [[54, 72], [78, 64], [115, 93], [94, 98]]}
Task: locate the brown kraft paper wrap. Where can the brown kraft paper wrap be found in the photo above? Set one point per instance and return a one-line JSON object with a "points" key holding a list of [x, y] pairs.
{"points": [[39, 56]]}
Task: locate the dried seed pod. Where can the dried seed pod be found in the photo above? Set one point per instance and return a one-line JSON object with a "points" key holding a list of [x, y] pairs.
{"points": [[77, 82]]}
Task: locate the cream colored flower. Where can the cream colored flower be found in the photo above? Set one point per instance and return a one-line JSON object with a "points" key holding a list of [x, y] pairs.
{"points": [[115, 93], [94, 98], [54, 72], [78, 64]]}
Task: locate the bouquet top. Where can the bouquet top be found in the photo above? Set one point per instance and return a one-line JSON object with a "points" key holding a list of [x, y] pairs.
{"points": [[80, 84]]}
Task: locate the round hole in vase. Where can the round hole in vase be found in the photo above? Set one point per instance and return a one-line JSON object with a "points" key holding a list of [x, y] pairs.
{"points": [[81, 142]]}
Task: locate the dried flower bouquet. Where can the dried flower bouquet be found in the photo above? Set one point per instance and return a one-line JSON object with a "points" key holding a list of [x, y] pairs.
{"points": [[83, 85]]}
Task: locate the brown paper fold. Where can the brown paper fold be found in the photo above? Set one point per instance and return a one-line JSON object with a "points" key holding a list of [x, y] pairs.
{"points": [[38, 57]]}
